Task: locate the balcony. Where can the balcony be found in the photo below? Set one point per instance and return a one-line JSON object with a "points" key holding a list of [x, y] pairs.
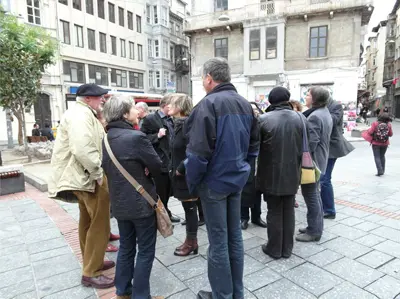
{"points": [[181, 66]]}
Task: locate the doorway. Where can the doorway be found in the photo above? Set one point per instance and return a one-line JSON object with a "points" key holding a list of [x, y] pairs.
{"points": [[42, 110]]}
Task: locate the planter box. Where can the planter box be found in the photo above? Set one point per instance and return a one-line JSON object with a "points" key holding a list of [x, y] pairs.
{"points": [[12, 179]]}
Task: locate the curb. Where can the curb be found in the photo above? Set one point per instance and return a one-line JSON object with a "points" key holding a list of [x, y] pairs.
{"points": [[36, 182]]}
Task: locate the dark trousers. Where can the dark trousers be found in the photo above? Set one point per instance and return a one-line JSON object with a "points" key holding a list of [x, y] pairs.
{"points": [[280, 221], [142, 232], [315, 212], [200, 209], [327, 195], [192, 222], [163, 188], [379, 156], [255, 211]]}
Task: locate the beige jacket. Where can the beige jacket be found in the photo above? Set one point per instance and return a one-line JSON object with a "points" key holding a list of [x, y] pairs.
{"points": [[77, 152]]}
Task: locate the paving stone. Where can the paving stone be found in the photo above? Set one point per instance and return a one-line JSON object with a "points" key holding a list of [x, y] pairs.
{"points": [[355, 213], [327, 236], [253, 242], [360, 275], [29, 295], [10, 219], [42, 235], [74, 293], [10, 242], [388, 233], [347, 232], [190, 268], [55, 265], [370, 240], [37, 224], [246, 235], [259, 255], [166, 256], [392, 268], [393, 223], [14, 261], [348, 291], [259, 279], [45, 246], [283, 289], [58, 283], [163, 282], [248, 295], [347, 248], [304, 250], [21, 202], [389, 247], [374, 218], [13, 249], [375, 259], [171, 241], [17, 289], [16, 275], [198, 283], [6, 213], [21, 217], [51, 253], [313, 279], [351, 221], [324, 258], [391, 208], [187, 294], [283, 265], [251, 265], [11, 229], [385, 288]]}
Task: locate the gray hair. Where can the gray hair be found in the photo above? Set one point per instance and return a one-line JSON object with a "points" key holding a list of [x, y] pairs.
{"points": [[116, 106], [165, 100], [218, 68], [143, 105], [320, 96], [183, 102]]}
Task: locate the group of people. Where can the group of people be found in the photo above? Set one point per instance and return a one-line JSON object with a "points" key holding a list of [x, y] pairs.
{"points": [[46, 131], [218, 158]]}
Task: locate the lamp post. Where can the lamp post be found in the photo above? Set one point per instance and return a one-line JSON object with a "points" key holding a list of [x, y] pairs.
{"points": [[190, 72]]}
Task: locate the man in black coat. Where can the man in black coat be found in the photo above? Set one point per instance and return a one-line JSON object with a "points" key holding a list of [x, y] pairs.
{"points": [[47, 132], [158, 127]]}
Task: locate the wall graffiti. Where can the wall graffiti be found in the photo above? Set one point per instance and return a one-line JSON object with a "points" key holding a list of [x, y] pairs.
{"points": [[305, 88]]}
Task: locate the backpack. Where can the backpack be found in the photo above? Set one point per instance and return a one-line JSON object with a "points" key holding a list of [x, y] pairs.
{"points": [[381, 133]]}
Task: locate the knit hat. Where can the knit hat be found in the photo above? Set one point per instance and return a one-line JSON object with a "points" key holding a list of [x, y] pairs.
{"points": [[279, 95]]}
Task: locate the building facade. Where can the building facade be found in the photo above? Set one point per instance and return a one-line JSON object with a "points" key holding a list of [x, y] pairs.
{"points": [[295, 43]]}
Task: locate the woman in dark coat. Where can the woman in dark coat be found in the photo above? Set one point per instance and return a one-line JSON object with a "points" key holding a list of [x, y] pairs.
{"points": [[180, 108]]}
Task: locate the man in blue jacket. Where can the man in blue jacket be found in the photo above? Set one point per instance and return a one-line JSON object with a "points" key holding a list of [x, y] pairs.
{"points": [[223, 138]]}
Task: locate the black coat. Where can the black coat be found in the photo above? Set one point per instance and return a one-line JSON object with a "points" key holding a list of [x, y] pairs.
{"points": [[48, 133], [250, 194], [36, 132], [178, 156], [279, 162], [135, 153], [151, 125]]}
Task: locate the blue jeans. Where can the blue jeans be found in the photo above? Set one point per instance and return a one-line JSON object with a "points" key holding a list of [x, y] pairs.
{"points": [[142, 232], [225, 252], [327, 195], [315, 213]]}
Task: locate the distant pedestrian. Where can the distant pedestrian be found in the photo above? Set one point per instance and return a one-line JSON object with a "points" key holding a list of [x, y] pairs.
{"points": [[278, 172], [380, 132], [47, 132], [223, 137], [36, 130]]}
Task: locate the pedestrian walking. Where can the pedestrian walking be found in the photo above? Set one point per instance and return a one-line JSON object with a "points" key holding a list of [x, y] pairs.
{"points": [[251, 196], [159, 128], [378, 134], [180, 107], [320, 126], [278, 172], [136, 218], [223, 137], [338, 147], [77, 174]]}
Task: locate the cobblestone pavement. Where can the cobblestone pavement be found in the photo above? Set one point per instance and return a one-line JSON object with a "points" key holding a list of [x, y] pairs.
{"points": [[358, 256]]}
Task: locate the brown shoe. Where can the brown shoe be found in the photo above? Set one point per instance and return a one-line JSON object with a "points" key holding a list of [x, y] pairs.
{"points": [[99, 282], [187, 248], [107, 265], [124, 297]]}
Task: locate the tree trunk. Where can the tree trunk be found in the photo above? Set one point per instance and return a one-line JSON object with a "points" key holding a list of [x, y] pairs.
{"points": [[25, 140], [18, 115]]}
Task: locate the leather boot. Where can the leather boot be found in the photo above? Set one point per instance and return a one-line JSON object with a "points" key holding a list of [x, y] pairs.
{"points": [[187, 248], [98, 282]]}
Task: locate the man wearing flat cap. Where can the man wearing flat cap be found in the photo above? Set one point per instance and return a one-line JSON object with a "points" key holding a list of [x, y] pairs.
{"points": [[77, 176], [278, 172]]}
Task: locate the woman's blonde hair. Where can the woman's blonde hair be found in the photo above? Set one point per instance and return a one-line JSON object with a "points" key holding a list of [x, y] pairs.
{"points": [[297, 106], [183, 102]]}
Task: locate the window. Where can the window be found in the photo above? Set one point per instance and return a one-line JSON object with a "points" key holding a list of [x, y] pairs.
{"points": [[98, 75], [139, 24], [157, 48], [140, 52], [149, 48], [164, 16], [123, 48], [79, 36], [113, 45], [130, 20], [374, 62], [151, 79], [255, 44], [136, 80], [148, 14], [77, 4], [118, 78], [131, 50], [158, 79], [100, 9], [155, 14], [220, 5], [271, 42], [177, 29], [221, 47], [103, 42], [111, 12], [89, 7], [171, 27], [65, 2], [165, 49], [166, 79], [121, 16], [33, 11], [73, 71], [171, 53], [91, 34], [65, 32], [318, 41]]}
